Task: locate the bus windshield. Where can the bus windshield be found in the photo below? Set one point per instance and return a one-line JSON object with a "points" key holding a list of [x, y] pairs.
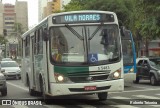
{"points": [[84, 44], [127, 52]]}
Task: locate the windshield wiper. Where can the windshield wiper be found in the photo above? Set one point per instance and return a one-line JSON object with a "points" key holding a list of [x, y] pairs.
{"points": [[74, 32], [93, 34]]}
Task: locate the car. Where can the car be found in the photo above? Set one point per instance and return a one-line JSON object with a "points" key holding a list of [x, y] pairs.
{"points": [[11, 69], [3, 85], [148, 68], [6, 59]]}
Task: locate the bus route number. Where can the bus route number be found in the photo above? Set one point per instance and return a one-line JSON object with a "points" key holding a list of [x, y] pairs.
{"points": [[103, 67]]}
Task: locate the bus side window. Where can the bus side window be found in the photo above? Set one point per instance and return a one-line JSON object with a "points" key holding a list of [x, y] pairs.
{"points": [[39, 43], [35, 43], [27, 44]]}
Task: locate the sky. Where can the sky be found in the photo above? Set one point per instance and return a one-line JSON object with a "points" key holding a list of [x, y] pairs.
{"points": [[32, 10]]}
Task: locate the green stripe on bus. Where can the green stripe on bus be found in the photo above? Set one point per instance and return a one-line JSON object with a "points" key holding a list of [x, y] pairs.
{"points": [[65, 70]]}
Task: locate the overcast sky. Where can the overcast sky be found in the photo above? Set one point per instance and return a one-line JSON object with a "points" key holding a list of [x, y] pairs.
{"points": [[32, 10]]}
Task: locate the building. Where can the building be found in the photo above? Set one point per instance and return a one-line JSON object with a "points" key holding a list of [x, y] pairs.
{"points": [[1, 18], [47, 7], [21, 9], [153, 48], [10, 16], [41, 5]]}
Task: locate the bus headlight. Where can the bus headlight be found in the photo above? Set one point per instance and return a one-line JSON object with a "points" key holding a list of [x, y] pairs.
{"points": [[131, 70], [115, 75], [61, 78]]}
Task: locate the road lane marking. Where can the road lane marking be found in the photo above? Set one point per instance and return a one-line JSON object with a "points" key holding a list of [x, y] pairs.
{"points": [[20, 106], [145, 96], [148, 97], [26, 89], [142, 87], [119, 97], [53, 106], [139, 96], [123, 106], [133, 91]]}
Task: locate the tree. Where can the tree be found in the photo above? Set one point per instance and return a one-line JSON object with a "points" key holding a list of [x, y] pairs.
{"points": [[75, 5], [140, 16], [148, 20], [18, 31], [122, 8], [18, 28], [3, 40]]}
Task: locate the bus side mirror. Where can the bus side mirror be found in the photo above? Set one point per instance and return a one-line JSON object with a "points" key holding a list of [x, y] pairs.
{"points": [[45, 34]]}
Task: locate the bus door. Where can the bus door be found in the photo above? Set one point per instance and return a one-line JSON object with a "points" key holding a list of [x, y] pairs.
{"points": [[33, 67]]}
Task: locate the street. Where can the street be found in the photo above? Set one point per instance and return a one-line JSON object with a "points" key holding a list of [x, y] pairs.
{"points": [[66, 47], [142, 92]]}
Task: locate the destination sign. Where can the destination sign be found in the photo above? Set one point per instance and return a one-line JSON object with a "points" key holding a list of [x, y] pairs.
{"points": [[83, 18]]}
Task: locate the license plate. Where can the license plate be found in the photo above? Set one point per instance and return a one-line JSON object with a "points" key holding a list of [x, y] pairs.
{"points": [[87, 88]]}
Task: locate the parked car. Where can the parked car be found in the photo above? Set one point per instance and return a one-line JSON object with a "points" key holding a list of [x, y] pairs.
{"points": [[6, 59], [3, 85], [11, 69], [148, 69]]}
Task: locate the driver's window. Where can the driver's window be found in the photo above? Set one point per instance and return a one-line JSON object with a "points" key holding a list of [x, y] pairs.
{"points": [[140, 63]]}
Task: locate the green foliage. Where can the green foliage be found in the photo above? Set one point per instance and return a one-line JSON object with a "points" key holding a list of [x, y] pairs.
{"points": [[3, 40], [74, 5], [148, 23], [122, 8], [18, 28], [140, 16]]}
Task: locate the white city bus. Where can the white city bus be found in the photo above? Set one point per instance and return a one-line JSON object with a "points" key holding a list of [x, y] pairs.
{"points": [[78, 52]]}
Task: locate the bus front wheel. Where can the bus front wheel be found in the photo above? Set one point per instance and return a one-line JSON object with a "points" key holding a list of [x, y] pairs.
{"points": [[102, 96]]}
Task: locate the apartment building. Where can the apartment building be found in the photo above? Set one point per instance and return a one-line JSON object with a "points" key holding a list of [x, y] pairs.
{"points": [[11, 14], [47, 7]]}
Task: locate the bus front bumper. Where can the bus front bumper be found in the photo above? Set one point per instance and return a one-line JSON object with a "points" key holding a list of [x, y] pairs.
{"points": [[79, 88]]}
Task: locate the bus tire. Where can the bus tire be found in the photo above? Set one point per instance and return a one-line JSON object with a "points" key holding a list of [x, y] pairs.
{"points": [[42, 87], [44, 96], [102, 96], [153, 80], [4, 92], [31, 91]]}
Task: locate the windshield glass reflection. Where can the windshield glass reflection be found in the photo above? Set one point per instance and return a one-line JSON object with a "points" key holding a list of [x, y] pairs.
{"points": [[85, 44]]}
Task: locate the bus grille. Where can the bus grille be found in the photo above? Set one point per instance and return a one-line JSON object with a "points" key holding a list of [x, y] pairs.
{"points": [[93, 76]]}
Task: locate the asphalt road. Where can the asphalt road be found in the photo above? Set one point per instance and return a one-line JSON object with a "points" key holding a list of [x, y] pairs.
{"points": [[141, 95]]}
